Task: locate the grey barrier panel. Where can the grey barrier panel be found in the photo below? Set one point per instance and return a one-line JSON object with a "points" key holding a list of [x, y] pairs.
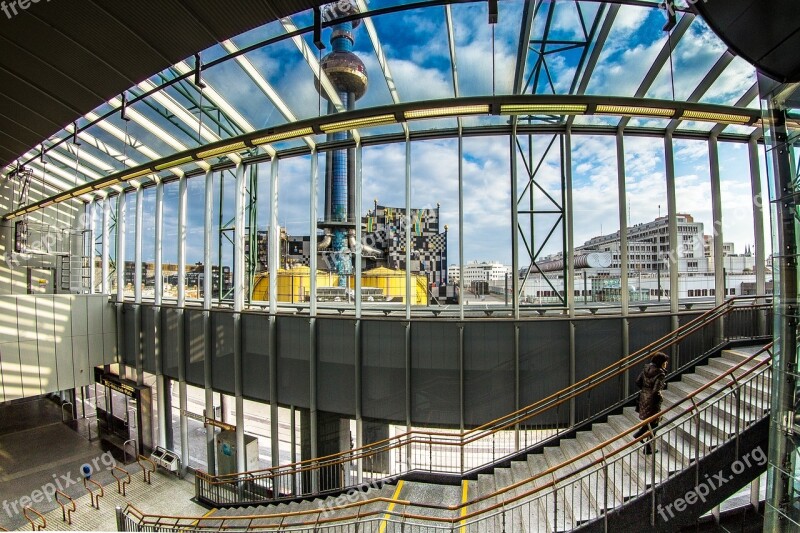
{"points": [[544, 366], [641, 332], [195, 353], [336, 374], [129, 341], [169, 339], [293, 361], [255, 357], [598, 343], [694, 344], [489, 372], [383, 370], [222, 378], [435, 373], [148, 338]]}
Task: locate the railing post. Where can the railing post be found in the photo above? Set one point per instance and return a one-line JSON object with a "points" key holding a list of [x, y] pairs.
{"points": [[120, 519]]}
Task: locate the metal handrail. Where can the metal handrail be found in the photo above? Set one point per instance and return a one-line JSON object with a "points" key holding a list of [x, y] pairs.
{"points": [[695, 410], [34, 526], [122, 481], [142, 460], [430, 439], [93, 498], [66, 514]]}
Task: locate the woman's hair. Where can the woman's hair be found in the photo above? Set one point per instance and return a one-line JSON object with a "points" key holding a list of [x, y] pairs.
{"points": [[659, 358]]}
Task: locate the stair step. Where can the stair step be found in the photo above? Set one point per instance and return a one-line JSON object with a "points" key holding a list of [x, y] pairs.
{"points": [[533, 515], [589, 440], [511, 518]]}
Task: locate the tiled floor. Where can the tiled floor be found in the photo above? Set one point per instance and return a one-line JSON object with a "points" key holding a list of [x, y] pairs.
{"points": [[166, 495], [38, 454]]}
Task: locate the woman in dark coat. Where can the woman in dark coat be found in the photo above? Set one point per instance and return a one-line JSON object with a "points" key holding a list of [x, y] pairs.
{"points": [[651, 383]]}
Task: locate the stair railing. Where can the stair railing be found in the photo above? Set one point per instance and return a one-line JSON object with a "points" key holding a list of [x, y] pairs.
{"points": [[417, 445], [749, 376]]}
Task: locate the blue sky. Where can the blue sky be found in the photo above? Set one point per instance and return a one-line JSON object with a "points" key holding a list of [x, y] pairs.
{"points": [[416, 47]]}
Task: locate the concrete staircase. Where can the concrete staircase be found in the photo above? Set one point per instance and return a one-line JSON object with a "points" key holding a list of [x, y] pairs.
{"points": [[576, 500]]}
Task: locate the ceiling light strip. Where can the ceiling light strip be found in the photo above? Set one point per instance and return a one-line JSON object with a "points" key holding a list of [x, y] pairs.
{"points": [[366, 122], [452, 111]]}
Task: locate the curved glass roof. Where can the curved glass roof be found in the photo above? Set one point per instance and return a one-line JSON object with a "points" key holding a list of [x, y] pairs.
{"points": [[413, 52]]}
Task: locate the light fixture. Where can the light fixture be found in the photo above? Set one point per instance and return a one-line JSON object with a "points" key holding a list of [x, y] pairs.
{"points": [[634, 111], [366, 122], [61, 198], [170, 164], [132, 175], [482, 109], [84, 190], [227, 149], [707, 116], [524, 109], [281, 136]]}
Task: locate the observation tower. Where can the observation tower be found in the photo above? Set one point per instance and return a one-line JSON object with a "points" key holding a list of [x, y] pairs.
{"points": [[348, 75]]}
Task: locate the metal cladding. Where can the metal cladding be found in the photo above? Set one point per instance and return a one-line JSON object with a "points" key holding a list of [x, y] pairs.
{"points": [[348, 76], [591, 260]]}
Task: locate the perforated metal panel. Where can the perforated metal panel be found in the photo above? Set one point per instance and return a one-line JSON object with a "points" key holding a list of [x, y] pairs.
{"points": [[488, 371], [598, 343], [169, 339], [543, 365], [195, 347], [149, 339], [435, 379], [255, 356], [383, 374], [129, 332], [222, 352], [293, 358], [336, 385], [641, 332]]}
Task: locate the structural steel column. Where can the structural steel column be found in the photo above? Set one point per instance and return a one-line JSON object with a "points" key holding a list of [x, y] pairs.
{"points": [[781, 483], [407, 228], [674, 253], [460, 223], [208, 272], [106, 235], [182, 399], [569, 224], [274, 265], [121, 208], [312, 307], [90, 209], [121, 223], [357, 330], [623, 224], [512, 145], [758, 227], [720, 290], [239, 235], [137, 288], [162, 402], [623, 254]]}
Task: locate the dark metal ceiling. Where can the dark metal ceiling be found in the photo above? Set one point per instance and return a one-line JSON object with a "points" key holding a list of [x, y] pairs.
{"points": [[61, 59], [765, 33]]}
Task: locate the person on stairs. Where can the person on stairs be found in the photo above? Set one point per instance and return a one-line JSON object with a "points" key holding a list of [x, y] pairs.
{"points": [[651, 382]]}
